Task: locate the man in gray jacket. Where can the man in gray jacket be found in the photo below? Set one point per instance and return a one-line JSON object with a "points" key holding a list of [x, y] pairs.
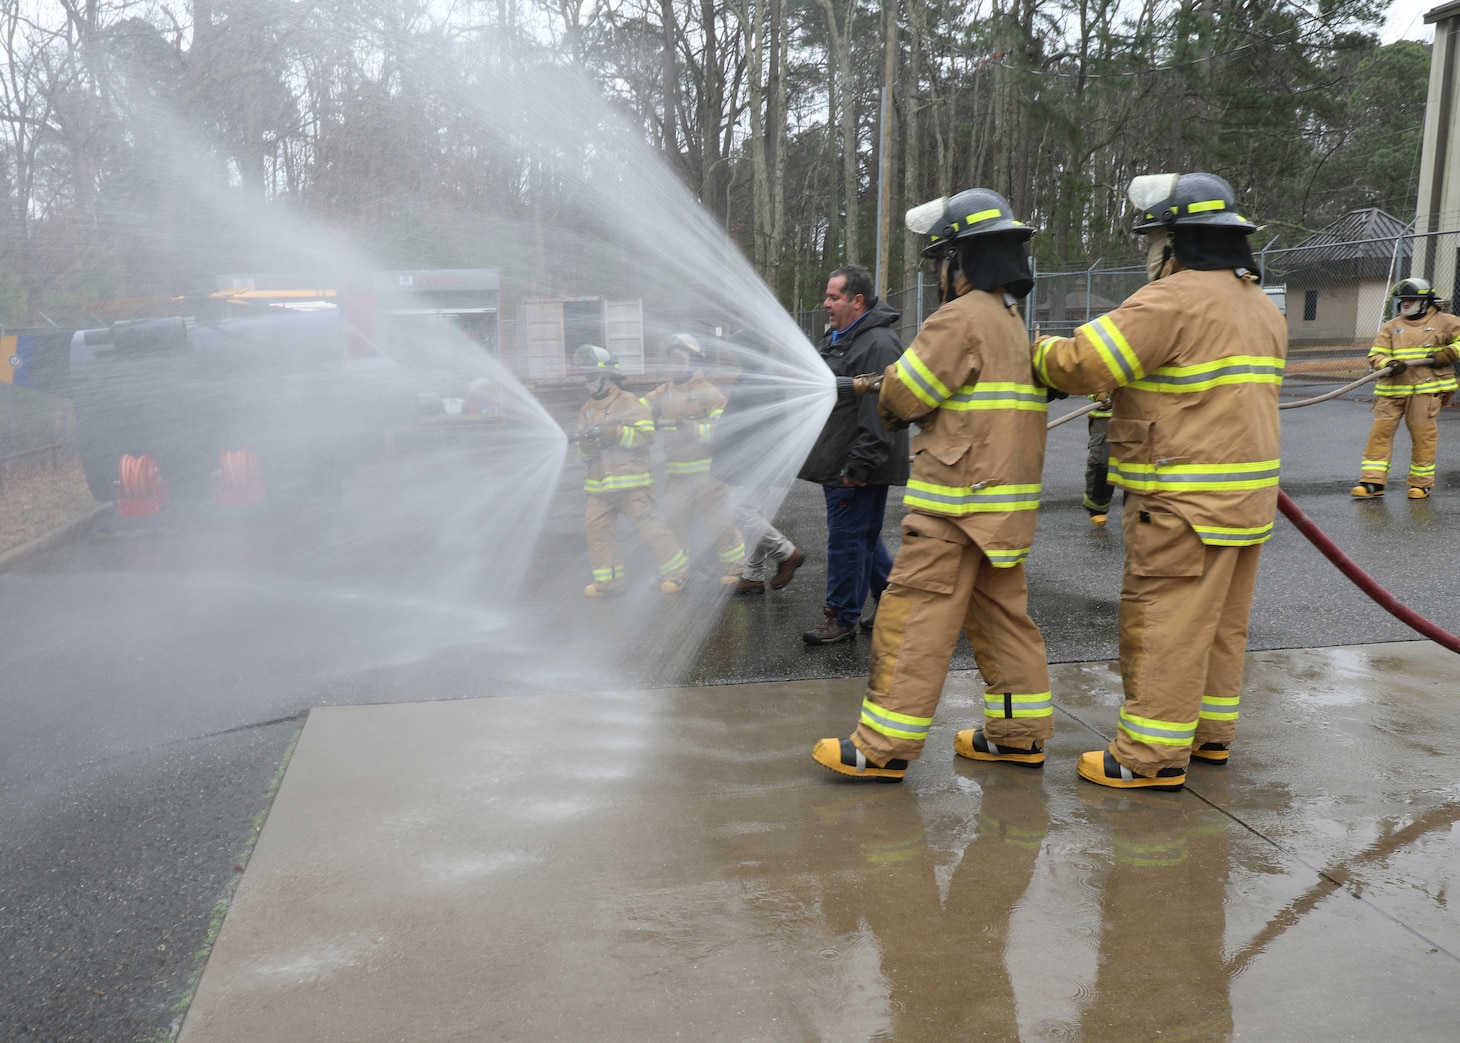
{"points": [[856, 458]]}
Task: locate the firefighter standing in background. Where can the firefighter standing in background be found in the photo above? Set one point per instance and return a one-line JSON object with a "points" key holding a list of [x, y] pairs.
{"points": [[685, 412], [1098, 491], [614, 434], [967, 383], [1413, 394], [1194, 360]]}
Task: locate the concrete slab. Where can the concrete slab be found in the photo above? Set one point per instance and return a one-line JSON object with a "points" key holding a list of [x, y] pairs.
{"points": [[672, 865]]}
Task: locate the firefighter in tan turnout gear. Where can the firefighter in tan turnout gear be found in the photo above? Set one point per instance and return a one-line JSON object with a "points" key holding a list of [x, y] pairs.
{"points": [[1194, 360], [686, 410], [966, 381], [1426, 340], [614, 434]]}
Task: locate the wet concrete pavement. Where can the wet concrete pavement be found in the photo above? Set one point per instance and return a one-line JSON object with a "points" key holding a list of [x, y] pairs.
{"points": [[673, 866], [155, 675]]}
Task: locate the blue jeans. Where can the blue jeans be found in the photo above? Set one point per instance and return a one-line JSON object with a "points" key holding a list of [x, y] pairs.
{"points": [[857, 562]]}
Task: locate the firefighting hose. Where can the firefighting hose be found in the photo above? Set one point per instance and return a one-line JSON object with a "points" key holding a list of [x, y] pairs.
{"points": [[871, 383], [1370, 586]]}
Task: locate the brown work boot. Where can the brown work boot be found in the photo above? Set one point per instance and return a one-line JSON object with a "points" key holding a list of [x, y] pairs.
{"points": [[749, 586], [829, 633], [787, 572]]}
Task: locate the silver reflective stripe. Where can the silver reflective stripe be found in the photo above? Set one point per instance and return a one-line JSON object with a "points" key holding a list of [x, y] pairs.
{"points": [[1114, 348], [1206, 376]]}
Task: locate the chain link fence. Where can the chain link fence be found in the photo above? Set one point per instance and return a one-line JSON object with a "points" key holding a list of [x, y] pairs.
{"points": [[1333, 288]]}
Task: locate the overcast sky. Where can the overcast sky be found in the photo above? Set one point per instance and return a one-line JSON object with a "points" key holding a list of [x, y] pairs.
{"points": [[1407, 20]]}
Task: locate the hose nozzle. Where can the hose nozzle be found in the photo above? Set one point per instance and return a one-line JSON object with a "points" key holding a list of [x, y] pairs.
{"points": [[848, 388]]}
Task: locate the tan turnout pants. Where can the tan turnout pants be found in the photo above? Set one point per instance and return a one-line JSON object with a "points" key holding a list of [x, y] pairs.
{"points": [[942, 583], [601, 522], [1419, 413], [686, 495], [1184, 609]]}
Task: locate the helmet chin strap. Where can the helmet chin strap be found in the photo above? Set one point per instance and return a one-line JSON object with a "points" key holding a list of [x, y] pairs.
{"points": [[1158, 255], [951, 270]]}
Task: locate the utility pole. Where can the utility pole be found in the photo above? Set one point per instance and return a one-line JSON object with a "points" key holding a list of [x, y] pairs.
{"points": [[884, 146]]}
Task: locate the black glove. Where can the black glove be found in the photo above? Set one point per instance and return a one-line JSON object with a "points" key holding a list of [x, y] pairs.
{"points": [[1054, 394], [891, 420]]}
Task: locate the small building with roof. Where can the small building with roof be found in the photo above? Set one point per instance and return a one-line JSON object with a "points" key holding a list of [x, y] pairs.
{"points": [[1337, 280]]}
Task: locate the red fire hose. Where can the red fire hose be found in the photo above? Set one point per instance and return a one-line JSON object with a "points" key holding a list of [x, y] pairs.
{"points": [[1408, 616]]}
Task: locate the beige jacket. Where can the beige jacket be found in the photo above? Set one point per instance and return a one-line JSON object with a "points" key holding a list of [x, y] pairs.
{"points": [[967, 382], [685, 415], [618, 458], [1195, 360], [1434, 333]]}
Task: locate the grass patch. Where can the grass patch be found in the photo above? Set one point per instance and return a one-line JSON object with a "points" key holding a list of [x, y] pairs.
{"points": [[38, 499]]}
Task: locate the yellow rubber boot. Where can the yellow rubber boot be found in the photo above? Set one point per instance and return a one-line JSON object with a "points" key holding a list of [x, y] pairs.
{"points": [[1367, 491], [1101, 768], [1212, 752], [974, 745], [843, 757]]}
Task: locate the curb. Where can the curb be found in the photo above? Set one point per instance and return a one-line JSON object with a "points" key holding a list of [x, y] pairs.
{"points": [[76, 528]]}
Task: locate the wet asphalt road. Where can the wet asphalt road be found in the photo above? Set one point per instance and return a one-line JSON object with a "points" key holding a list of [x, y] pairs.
{"points": [[156, 674]]}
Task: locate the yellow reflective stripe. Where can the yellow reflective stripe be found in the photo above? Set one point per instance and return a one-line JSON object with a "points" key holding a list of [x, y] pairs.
{"points": [[1428, 387], [883, 853], [1006, 559], [734, 554], [1011, 704], [1219, 708], [1041, 359], [920, 380], [982, 215], [615, 482], [991, 827], [1230, 477], [1205, 206], [1157, 733], [1160, 853], [682, 467], [605, 575], [1235, 369], [893, 724], [1114, 350], [1422, 470], [998, 394], [962, 499], [674, 563], [1222, 536]]}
